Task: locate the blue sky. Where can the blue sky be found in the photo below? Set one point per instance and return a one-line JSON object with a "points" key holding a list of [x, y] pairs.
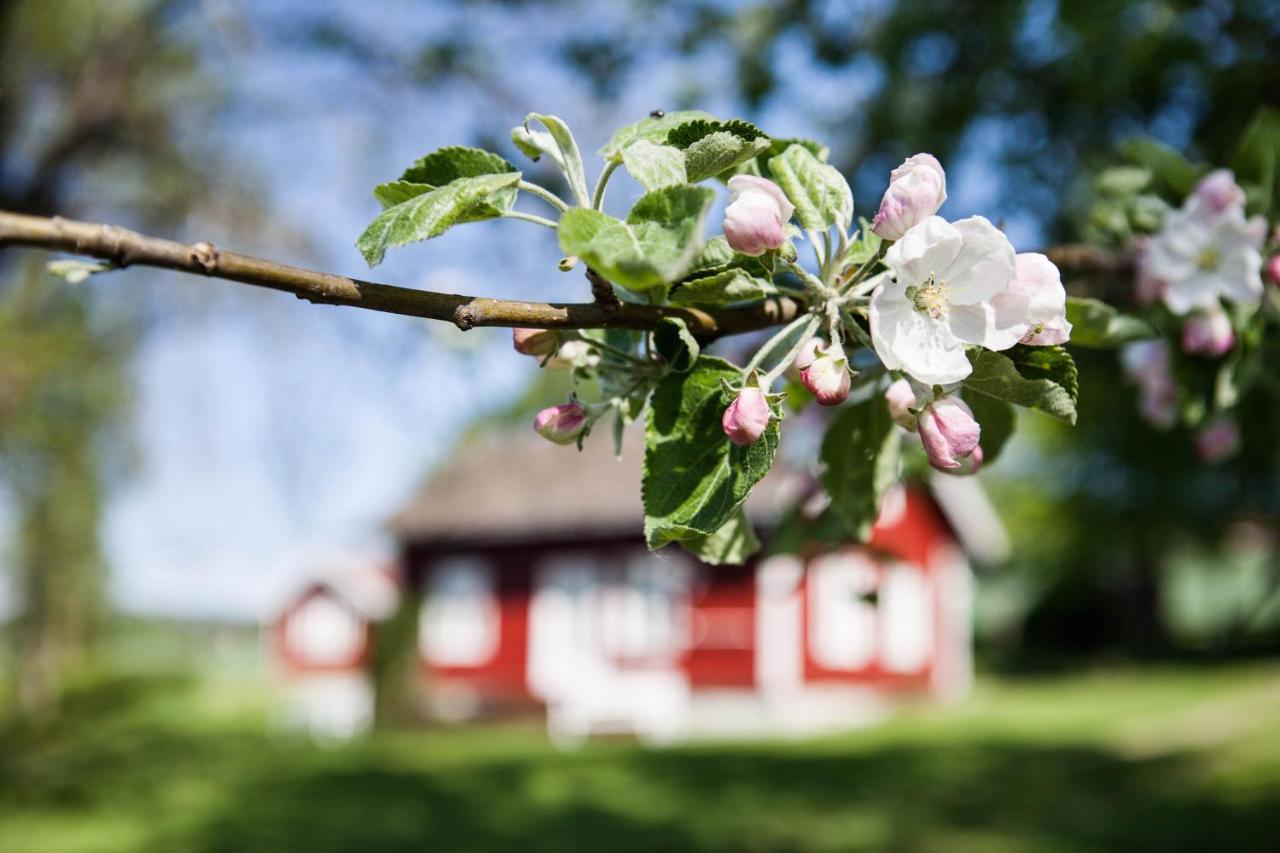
{"points": [[272, 433]]}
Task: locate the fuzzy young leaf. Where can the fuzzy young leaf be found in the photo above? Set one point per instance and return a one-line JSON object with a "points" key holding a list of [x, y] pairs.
{"points": [[455, 161], [397, 192], [720, 288], [556, 142], [1042, 378], [820, 193], [651, 129], [657, 244], [431, 214], [654, 166], [1174, 174], [76, 271], [1097, 325], [732, 544], [713, 147], [861, 452], [676, 344], [695, 479]]}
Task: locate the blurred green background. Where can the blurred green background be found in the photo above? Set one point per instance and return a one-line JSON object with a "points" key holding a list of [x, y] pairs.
{"points": [[157, 442]]}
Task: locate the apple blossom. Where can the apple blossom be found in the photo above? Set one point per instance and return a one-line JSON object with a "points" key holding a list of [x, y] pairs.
{"points": [[1037, 291], [901, 399], [949, 432], [917, 189], [747, 417], [808, 352], [1218, 192], [758, 211], [561, 424], [1273, 270], [1204, 254], [573, 354], [970, 464], [946, 277], [537, 342], [827, 376], [1208, 333], [1148, 365], [1217, 440], [1148, 289]]}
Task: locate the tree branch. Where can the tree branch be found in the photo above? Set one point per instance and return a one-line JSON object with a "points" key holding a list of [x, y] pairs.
{"points": [[125, 248]]}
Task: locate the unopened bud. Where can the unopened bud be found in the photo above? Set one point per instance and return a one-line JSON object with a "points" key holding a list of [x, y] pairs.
{"points": [[1217, 440], [901, 400], [561, 424], [970, 464], [537, 342], [917, 189], [1208, 333], [747, 417], [827, 376], [1273, 270], [755, 220], [949, 432]]}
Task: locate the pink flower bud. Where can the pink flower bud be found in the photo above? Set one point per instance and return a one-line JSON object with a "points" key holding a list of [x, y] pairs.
{"points": [[1208, 333], [827, 376], [747, 417], [537, 342], [971, 464], [1218, 192], [561, 424], [949, 432], [808, 352], [1217, 440], [917, 189], [1273, 270], [901, 401], [757, 213]]}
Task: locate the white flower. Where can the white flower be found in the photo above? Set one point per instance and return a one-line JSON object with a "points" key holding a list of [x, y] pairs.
{"points": [[1037, 292], [942, 296], [1205, 253], [917, 189]]}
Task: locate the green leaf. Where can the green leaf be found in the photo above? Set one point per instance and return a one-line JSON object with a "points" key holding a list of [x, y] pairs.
{"points": [[1042, 378], [676, 344], [730, 545], [77, 271], [455, 161], [1122, 181], [865, 247], [713, 147], [651, 129], [444, 167], [861, 452], [997, 419], [1257, 160], [657, 245], [654, 166], [431, 214], [556, 142], [820, 193], [1097, 325], [695, 479], [1173, 172], [720, 288]]}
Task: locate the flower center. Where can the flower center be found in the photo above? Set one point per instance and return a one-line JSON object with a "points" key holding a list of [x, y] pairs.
{"points": [[930, 297], [1208, 259]]}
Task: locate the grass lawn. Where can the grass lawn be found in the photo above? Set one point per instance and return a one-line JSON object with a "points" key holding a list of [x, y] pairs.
{"points": [[1170, 759]]}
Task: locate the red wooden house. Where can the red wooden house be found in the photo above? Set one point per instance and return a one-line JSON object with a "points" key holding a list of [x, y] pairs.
{"points": [[537, 592]]}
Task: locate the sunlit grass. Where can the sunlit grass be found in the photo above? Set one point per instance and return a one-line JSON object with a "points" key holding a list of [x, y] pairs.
{"points": [[1163, 759]]}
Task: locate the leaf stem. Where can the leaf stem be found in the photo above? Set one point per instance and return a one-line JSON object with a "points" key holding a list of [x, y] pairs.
{"points": [[544, 194], [529, 217], [597, 198]]}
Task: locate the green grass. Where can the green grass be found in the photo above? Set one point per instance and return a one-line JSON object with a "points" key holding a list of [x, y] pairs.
{"points": [[1172, 759]]}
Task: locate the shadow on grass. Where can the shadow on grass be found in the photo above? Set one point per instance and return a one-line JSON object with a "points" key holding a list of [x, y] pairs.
{"points": [[236, 790]]}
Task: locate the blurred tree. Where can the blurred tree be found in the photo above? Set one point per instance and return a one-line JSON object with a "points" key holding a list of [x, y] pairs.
{"points": [[85, 90]]}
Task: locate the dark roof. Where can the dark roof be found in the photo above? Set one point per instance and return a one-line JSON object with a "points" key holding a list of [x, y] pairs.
{"points": [[524, 488]]}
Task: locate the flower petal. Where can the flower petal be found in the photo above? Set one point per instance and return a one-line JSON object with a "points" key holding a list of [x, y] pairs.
{"points": [[910, 340], [928, 247], [983, 267]]}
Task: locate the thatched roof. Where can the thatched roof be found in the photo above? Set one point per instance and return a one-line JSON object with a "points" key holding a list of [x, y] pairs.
{"points": [[511, 488]]}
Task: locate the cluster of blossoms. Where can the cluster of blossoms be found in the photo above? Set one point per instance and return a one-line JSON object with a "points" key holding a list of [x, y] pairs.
{"points": [[1207, 266], [948, 286]]}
